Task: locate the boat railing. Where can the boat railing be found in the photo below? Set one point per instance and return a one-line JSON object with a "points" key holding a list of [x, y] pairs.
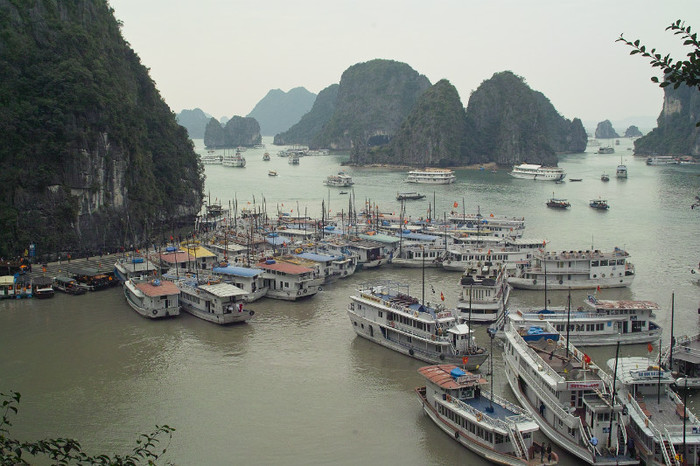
{"points": [[621, 428], [669, 454], [521, 413], [542, 366], [586, 437], [485, 418]]}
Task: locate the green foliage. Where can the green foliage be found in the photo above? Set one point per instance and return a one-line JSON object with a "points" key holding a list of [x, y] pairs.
{"points": [[676, 72], [63, 451]]}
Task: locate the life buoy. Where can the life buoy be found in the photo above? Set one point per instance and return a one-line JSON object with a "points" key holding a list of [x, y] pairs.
{"points": [[561, 282], [411, 352], [550, 342], [442, 357], [456, 434], [252, 313], [448, 397], [534, 282], [299, 293], [479, 417], [155, 312], [541, 317], [320, 288]]}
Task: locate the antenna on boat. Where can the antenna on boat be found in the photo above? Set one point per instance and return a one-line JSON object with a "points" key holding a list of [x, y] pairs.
{"points": [[617, 355], [471, 289], [489, 408], [423, 270], [658, 385], [568, 320], [544, 262], [673, 340]]}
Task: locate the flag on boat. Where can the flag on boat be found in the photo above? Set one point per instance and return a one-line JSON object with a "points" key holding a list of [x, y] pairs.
{"points": [[456, 204], [442, 296], [465, 360], [650, 347], [586, 358]]}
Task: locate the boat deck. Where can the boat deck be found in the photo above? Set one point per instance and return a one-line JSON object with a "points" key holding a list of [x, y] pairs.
{"points": [[555, 357], [663, 414], [482, 403], [687, 350]]}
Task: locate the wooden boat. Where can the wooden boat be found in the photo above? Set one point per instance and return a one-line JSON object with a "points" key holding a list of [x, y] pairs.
{"points": [[272, 173], [409, 196], [68, 285], [600, 204], [43, 287], [604, 177], [558, 203]]}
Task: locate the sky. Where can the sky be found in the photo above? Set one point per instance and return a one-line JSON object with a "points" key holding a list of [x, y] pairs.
{"points": [[223, 56]]}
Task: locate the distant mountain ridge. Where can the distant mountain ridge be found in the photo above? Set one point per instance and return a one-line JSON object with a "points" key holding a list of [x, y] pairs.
{"points": [[312, 123], [279, 110], [194, 121]]}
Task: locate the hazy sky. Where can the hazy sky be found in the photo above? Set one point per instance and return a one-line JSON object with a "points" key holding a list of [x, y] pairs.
{"points": [[224, 56]]}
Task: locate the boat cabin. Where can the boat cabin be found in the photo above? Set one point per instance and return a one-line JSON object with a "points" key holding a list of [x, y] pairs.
{"points": [[92, 279]]}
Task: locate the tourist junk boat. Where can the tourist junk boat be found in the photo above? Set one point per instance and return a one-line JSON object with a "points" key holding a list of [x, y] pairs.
{"points": [[418, 255], [530, 171], [604, 177], [599, 204], [293, 159], [219, 303], [431, 176], [68, 285], [42, 287], [271, 173], [606, 150], [684, 361], [621, 171], [129, 267], [289, 282], [412, 196], [266, 157], [577, 270], [341, 180], [384, 312], [661, 160], [566, 393], [558, 203], [211, 159], [248, 279], [504, 250], [486, 424], [659, 423], [153, 299], [236, 160], [484, 294], [601, 322]]}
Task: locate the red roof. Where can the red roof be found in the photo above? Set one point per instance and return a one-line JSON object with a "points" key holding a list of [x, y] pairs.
{"points": [[165, 288], [176, 257], [440, 375], [285, 267]]}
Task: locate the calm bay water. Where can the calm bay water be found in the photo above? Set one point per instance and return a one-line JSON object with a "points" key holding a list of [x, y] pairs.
{"points": [[294, 386]]}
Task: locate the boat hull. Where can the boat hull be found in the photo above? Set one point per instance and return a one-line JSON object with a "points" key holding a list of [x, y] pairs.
{"points": [[220, 319], [365, 329], [135, 303], [464, 439], [583, 284], [291, 295]]}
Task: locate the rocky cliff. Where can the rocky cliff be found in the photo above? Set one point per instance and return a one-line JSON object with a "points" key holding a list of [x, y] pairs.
{"points": [[433, 134], [92, 158], [511, 123], [311, 124], [279, 110], [373, 100], [194, 121], [632, 132], [238, 131], [605, 130], [676, 133]]}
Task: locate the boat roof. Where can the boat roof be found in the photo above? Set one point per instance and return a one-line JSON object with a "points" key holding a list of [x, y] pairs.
{"points": [[175, 257], [278, 240], [450, 376], [157, 288], [639, 370], [621, 304], [284, 267], [237, 271], [420, 236], [42, 281], [199, 251], [588, 254], [317, 257], [7, 280], [223, 290], [380, 238]]}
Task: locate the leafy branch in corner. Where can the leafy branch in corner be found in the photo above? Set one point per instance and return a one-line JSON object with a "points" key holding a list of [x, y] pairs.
{"points": [[68, 451]]}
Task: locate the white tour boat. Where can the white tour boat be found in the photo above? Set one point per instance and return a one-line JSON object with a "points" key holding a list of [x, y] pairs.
{"points": [[659, 424], [531, 171], [332, 266], [153, 299], [566, 393], [602, 322], [484, 293], [576, 270], [341, 180], [219, 303], [293, 159], [248, 279], [211, 159], [236, 160], [431, 176], [288, 281], [459, 257], [662, 160], [384, 312], [129, 267], [684, 361], [488, 425], [418, 255]]}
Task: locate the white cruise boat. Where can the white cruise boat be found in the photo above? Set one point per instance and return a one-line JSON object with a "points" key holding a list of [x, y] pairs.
{"points": [[341, 180], [370, 254], [293, 159], [384, 312], [484, 293], [566, 393], [499, 225], [684, 361], [153, 299], [531, 171], [601, 322], [488, 425], [621, 171], [418, 255], [219, 303], [332, 266], [129, 267], [248, 279], [236, 160], [659, 423], [431, 176], [289, 282], [661, 160], [576, 270], [459, 257], [211, 159]]}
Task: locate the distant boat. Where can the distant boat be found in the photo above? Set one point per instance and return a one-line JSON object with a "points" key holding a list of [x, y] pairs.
{"points": [[575, 179], [558, 203], [604, 177], [266, 157], [272, 173], [538, 172], [409, 196], [600, 204], [606, 150], [621, 171], [343, 192]]}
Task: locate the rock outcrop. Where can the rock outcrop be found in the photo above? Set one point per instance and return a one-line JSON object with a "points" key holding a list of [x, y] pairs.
{"points": [[633, 132], [279, 110], [312, 123], [239, 131], [194, 121], [92, 157], [605, 130], [676, 133]]}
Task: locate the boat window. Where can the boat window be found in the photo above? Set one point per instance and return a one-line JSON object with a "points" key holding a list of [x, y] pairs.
{"points": [[594, 263], [603, 263], [620, 262]]}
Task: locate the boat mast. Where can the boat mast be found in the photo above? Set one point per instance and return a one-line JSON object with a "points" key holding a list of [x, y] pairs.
{"points": [[544, 262], [617, 355], [568, 320], [423, 271], [471, 289], [673, 340]]}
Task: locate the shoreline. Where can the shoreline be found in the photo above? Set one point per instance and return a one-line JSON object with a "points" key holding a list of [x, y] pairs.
{"points": [[477, 166]]}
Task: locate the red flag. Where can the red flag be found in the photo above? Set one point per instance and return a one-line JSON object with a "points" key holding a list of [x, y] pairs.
{"points": [[465, 360], [456, 204], [442, 296], [598, 288], [650, 347], [586, 359]]}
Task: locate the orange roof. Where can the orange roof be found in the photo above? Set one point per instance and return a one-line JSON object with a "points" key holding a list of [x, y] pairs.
{"points": [[284, 267], [440, 375], [175, 257], [165, 288]]}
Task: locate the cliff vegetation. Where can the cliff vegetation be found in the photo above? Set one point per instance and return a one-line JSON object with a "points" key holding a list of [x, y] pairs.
{"points": [[238, 131], [312, 123]]}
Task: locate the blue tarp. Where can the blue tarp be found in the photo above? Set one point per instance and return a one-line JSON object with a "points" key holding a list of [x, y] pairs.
{"points": [[278, 240], [317, 257], [237, 271], [457, 372]]}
